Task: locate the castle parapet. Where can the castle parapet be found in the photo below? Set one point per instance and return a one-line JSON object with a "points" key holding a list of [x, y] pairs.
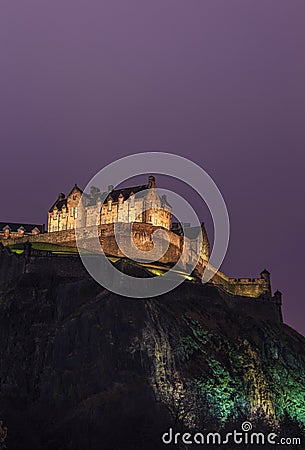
{"points": [[249, 287], [246, 287]]}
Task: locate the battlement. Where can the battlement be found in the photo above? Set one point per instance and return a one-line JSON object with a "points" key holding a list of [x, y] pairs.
{"points": [[248, 287]]}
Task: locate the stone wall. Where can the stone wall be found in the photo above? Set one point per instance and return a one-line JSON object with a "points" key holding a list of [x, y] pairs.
{"points": [[65, 237], [141, 233], [142, 237], [248, 287]]}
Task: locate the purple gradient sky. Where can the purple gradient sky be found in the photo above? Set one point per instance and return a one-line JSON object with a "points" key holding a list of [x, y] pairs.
{"points": [[220, 82]]}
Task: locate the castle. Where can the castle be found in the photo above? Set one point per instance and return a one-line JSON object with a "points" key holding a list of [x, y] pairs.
{"points": [[142, 206], [12, 229], [133, 204]]}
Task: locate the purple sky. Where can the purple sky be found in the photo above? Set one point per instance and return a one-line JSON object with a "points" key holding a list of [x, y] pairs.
{"points": [[220, 82]]}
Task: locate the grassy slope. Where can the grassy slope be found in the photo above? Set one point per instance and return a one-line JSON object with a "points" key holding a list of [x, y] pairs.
{"points": [[54, 248]]}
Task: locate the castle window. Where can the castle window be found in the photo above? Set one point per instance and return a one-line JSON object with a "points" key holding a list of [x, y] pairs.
{"points": [[72, 211], [109, 205], [75, 213]]}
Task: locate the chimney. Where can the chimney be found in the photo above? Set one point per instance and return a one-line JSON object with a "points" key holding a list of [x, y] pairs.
{"points": [[110, 188], [151, 182]]}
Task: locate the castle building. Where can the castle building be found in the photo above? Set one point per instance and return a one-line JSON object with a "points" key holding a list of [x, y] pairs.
{"points": [[132, 204], [12, 230]]}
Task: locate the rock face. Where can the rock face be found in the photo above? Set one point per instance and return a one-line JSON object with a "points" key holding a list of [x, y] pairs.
{"points": [[84, 369]]}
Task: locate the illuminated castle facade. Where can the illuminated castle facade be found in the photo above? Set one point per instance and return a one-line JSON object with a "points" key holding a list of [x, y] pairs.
{"points": [[133, 204]]}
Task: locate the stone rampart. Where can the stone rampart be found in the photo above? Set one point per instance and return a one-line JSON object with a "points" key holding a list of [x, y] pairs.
{"points": [[142, 238]]}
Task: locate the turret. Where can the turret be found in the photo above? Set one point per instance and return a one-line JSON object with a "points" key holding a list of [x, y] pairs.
{"points": [[265, 275], [151, 182], [278, 297]]}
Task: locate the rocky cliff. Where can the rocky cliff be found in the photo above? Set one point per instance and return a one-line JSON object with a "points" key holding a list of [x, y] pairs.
{"points": [[84, 369]]}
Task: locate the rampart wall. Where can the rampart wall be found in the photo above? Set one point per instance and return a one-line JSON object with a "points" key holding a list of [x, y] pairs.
{"points": [[142, 237], [248, 287]]}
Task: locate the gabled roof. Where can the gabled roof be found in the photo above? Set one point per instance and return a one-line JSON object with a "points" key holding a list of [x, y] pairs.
{"points": [[59, 204], [75, 188], [126, 192], [114, 194], [14, 226], [62, 199]]}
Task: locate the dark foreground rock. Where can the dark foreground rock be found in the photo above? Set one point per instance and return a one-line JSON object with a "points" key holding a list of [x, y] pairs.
{"points": [[85, 369]]}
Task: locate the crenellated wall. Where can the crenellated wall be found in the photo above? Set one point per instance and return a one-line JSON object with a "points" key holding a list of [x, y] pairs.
{"points": [[248, 287]]}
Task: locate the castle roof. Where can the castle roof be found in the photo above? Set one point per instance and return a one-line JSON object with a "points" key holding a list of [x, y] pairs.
{"points": [[62, 199], [60, 202], [126, 192], [14, 226], [75, 188], [114, 194]]}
